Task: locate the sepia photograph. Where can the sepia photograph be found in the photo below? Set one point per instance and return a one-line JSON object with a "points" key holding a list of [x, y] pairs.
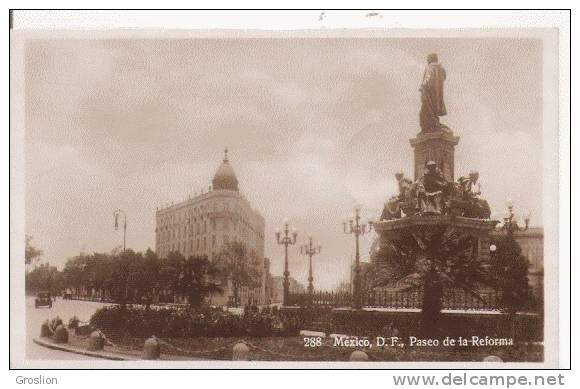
{"points": [[312, 198]]}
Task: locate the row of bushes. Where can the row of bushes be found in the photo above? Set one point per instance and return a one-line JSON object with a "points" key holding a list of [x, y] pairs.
{"points": [[176, 322]]}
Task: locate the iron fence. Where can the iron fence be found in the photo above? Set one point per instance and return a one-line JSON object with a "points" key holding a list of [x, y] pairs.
{"points": [[452, 299]]}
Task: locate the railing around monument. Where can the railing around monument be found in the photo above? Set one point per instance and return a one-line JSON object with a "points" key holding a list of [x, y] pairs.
{"points": [[321, 299], [452, 300]]}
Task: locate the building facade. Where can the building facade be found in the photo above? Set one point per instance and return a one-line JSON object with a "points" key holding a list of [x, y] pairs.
{"points": [[202, 225], [277, 296]]}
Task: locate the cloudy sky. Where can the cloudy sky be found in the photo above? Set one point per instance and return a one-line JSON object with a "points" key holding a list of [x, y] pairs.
{"points": [[314, 126]]}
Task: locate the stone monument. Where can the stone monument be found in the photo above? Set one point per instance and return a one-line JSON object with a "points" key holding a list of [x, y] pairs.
{"points": [[436, 141], [434, 234], [437, 146]]}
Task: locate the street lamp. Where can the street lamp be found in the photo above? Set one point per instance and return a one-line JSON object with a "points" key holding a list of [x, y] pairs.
{"points": [[310, 249], [289, 238], [116, 215], [492, 252], [356, 228], [509, 224]]}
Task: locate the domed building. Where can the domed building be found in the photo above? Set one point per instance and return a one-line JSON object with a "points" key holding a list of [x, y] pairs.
{"points": [[201, 225], [225, 177]]}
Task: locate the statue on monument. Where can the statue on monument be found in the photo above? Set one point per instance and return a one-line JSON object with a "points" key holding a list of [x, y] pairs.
{"points": [[405, 186], [469, 191], [432, 103], [469, 185], [432, 190], [397, 206], [392, 209]]}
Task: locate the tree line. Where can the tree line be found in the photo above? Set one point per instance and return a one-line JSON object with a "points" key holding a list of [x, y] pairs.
{"points": [[129, 277]]}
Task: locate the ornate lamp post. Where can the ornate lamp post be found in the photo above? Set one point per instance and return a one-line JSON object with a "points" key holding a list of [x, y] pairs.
{"points": [[116, 214], [355, 227], [310, 249], [509, 224], [288, 239]]}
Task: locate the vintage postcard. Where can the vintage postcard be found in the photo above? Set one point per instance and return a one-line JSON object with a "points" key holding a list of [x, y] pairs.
{"points": [[336, 198]]}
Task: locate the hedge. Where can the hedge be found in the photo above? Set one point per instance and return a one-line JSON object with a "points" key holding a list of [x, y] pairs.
{"points": [[176, 322]]}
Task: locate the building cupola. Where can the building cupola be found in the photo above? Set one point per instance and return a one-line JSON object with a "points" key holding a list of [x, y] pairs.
{"points": [[225, 178]]}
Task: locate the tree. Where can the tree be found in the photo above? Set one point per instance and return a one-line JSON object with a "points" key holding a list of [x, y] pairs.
{"points": [[509, 273], [196, 280], [130, 278], [73, 273], [167, 277], [101, 268], [239, 267], [433, 259], [31, 253], [43, 278], [125, 277]]}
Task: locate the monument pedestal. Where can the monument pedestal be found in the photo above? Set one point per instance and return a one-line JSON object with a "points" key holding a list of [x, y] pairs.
{"points": [[478, 229], [438, 146]]}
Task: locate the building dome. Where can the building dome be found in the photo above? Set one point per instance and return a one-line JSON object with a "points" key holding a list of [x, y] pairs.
{"points": [[225, 177]]}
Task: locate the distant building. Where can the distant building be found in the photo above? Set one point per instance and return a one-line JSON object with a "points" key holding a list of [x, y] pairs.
{"points": [[267, 282], [343, 287], [278, 288], [201, 225]]}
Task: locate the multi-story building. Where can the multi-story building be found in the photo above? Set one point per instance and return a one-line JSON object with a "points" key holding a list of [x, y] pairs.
{"points": [[268, 283], [278, 288], [201, 225]]}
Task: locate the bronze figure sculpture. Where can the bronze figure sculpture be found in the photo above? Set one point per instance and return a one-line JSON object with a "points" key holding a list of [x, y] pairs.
{"points": [[432, 103]]}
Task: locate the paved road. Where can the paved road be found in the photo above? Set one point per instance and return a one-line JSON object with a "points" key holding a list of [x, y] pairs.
{"points": [[65, 309]]}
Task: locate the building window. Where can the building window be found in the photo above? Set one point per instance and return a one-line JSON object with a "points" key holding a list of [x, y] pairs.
{"points": [[213, 241]]}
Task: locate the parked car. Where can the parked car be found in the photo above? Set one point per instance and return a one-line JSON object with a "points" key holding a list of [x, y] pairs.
{"points": [[43, 299], [67, 296]]}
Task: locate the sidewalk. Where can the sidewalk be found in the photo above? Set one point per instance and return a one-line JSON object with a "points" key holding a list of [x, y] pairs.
{"points": [[78, 345], [48, 343]]}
